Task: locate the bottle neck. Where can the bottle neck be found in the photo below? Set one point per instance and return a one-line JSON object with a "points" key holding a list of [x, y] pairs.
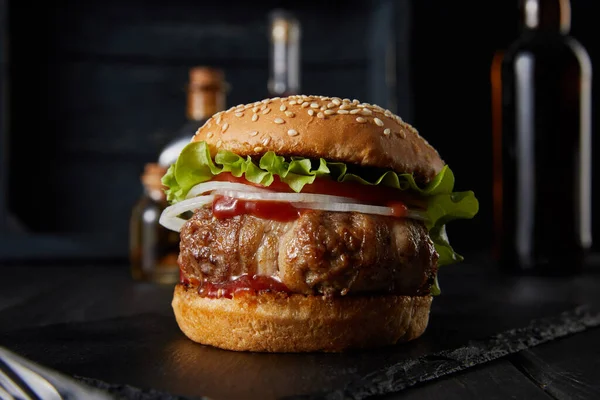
{"points": [[151, 181], [203, 102], [284, 68], [546, 15]]}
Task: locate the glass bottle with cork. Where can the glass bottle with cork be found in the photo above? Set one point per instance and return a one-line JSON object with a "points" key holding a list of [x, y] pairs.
{"points": [[206, 95], [542, 145], [284, 54], [153, 248]]}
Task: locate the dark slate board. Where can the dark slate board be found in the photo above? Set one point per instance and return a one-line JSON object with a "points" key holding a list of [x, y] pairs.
{"points": [[496, 380], [566, 369], [150, 353]]}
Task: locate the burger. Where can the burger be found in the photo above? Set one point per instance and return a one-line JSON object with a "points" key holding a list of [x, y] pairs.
{"points": [[309, 224]]}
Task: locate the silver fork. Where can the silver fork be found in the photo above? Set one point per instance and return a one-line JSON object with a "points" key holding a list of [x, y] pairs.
{"points": [[21, 379]]}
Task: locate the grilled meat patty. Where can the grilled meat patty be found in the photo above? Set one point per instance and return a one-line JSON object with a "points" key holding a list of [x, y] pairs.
{"points": [[320, 253]]}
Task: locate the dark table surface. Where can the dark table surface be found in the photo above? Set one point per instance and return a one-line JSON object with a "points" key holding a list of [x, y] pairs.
{"points": [[490, 336]]}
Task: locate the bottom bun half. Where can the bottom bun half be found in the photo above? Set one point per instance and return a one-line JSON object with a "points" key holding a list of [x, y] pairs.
{"points": [[298, 323]]}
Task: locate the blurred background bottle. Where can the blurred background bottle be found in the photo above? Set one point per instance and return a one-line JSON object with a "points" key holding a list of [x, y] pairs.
{"points": [[206, 95], [541, 88], [284, 54], [153, 248]]}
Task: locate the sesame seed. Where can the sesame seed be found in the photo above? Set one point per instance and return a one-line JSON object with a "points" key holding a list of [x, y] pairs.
{"points": [[361, 105], [314, 105], [361, 120], [263, 108], [278, 121], [403, 134], [224, 127], [346, 100], [276, 98], [257, 103], [290, 114], [209, 135], [282, 107], [344, 106], [266, 111], [292, 132], [355, 111], [255, 109], [293, 103], [387, 131], [266, 141], [219, 143], [266, 101], [342, 111], [336, 101], [258, 148], [253, 133], [254, 117], [356, 101], [388, 113], [218, 120], [239, 114], [329, 112], [311, 112], [321, 115], [330, 105], [247, 106], [366, 111], [305, 104], [378, 121]]}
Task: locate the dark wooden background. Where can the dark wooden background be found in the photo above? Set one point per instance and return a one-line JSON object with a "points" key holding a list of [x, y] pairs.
{"points": [[90, 91]]}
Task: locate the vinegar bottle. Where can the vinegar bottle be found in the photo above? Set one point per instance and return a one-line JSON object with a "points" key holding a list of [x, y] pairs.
{"points": [[284, 54], [153, 248], [542, 113]]}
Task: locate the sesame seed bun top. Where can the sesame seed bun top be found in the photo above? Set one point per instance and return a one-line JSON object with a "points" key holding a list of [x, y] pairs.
{"points": [[329, 127]]}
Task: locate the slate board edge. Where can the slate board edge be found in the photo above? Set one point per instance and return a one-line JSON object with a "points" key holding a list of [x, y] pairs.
{"points": [[127, 392], [432, 366]]}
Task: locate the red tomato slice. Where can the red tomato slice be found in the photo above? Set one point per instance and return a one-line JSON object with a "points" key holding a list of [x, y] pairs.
{"points": [[375, 195]]}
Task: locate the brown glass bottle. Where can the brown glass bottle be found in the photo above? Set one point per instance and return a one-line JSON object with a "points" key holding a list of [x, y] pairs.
{"points": [[153, 248], [206, 95], [284, 54], [542, 174]]}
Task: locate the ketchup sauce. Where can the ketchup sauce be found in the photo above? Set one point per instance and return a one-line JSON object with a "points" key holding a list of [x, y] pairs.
{"points": [[226, 207], [254, 284]]}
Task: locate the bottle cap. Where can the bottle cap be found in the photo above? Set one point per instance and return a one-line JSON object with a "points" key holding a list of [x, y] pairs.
{"points": [[202, 77], [151, 179]]}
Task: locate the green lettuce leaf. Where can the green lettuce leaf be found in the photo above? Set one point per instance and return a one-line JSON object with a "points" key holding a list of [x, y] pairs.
{"points": [[195, 165]]}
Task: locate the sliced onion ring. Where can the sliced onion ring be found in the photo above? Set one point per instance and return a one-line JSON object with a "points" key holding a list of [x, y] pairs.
{"points": [[170, 219], [286, 197], [346, 207], [209, 186], [361, 208]]}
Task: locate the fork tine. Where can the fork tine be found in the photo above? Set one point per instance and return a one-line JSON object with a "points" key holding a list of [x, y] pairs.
{"points": [[36, 383], [4, 395], [9, 389]]}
